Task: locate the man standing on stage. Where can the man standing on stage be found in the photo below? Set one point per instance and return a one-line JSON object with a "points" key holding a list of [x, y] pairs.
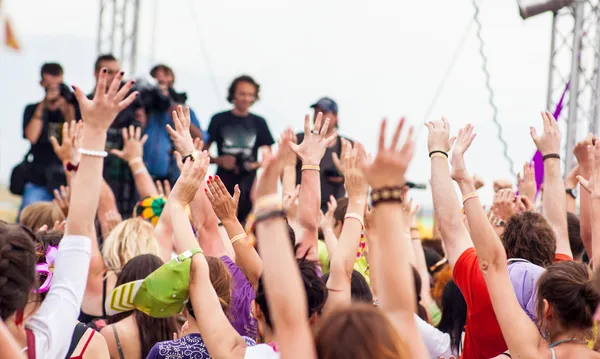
{"points": [[239, 135]]}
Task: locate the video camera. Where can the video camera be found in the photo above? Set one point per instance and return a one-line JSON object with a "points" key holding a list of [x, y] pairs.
{"points": [[153, 98]]}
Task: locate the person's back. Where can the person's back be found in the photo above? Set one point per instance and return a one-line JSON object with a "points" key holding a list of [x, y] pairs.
{"points": [[91, 345], [123, 339]]}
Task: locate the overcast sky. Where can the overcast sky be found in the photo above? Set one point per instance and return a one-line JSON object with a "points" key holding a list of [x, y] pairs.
{"points": [[377, 58]]}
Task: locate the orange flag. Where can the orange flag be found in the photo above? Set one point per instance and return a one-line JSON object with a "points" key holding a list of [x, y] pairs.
{"points": [[10, 39]]}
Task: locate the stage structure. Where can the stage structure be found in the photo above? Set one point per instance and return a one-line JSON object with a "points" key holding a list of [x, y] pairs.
{"points": [[574, 60], [118, 30]]}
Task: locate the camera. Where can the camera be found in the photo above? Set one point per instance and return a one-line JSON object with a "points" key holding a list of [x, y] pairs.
{"points": [[153, 98], [67, 94]]}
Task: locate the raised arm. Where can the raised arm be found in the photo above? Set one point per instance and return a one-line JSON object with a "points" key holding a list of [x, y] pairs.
{"points": [[289, 158], [447, 211], [311, 151], [585, 216], [519, 331], [283, 284], [592, 187], [132, 153], [395, 283], [327, 223], [554, 201], [225, 207], [342, 262]]}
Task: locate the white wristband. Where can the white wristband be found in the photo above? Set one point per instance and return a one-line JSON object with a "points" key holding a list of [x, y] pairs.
{"points": [[92, 153]]}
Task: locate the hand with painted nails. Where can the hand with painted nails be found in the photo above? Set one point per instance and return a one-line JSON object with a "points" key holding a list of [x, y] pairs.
{"points": [[100, 112], [313, 146], [224, 205]]}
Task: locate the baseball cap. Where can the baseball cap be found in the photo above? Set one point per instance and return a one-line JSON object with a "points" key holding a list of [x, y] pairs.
{"points": [[161, 294], [150, 208], [326, 104]]}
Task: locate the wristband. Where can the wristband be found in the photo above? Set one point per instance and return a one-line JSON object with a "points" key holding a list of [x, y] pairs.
{"points": [[135, 160], [277, 213], [139, 171], [70, 167], [356, 216], [311, 168], [438, 152], [238, 237], [469, 196], [551, 155], [386, 194], [92, 153]]}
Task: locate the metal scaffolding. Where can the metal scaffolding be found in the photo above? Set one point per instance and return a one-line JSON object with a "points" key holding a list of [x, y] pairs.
{"points": [[117, 31], [574, 59]]}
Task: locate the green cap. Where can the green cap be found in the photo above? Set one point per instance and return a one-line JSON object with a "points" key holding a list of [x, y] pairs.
{"points": [[162, 294]]}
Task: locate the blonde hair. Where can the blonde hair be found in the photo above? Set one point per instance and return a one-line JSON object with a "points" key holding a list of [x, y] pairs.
{"points": [[128, 239], [39, 214]]}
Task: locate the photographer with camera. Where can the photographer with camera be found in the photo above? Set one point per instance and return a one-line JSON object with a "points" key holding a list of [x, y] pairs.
{"points": [[158, 150], [239, 134], [41, 121]]}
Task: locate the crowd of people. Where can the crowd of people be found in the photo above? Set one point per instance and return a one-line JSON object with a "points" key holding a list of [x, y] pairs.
{"points": [[126, 249]]}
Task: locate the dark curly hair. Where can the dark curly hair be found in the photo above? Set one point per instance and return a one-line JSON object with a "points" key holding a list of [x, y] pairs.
{"points": [[17, 267], [529, 236], [236, 81], [572, 294], [575, 241]]}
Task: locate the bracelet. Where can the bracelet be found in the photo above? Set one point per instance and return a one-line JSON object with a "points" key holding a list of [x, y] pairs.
{"points": [[468, 196], [356, 216], [92, 153], [139, 171], [70, 167], [238, 237], [272, 200], [135, 160], [192, 156], [439, 153], [311, 168], [276, 213], [414, 228], [551, 155], [386, 194]]}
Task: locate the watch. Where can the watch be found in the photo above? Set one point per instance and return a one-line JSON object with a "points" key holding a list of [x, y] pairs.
{"points": [[572, 192], [191, 156]]}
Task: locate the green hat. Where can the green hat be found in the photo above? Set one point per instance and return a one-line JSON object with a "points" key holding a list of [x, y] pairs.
{"points": [[162, 294]]}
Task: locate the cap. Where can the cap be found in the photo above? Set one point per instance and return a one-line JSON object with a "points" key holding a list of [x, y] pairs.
{"points": [[162, 294], [326, 104], [150, 208]]}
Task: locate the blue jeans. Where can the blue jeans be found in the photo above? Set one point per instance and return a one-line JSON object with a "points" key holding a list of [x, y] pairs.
{"points": [[34, 193]]}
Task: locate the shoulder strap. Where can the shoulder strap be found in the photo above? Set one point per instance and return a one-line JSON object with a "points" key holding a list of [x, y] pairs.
{"points": [[30, 343], [104, 296], [119, 348], [79, 331]]}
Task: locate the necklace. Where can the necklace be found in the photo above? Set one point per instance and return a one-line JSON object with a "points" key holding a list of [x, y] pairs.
{"points": [[570, 340]]}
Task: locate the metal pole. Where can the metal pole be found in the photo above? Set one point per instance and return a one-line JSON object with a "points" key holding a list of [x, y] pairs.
{"points": [[572, 120], [99, 43], [153, 34], [551, 68], [133, 38], [595, 96], [114, 25]]}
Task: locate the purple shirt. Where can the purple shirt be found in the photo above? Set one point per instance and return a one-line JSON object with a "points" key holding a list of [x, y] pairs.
{"points": [[189, 347], [241, 300], [524, 276]]}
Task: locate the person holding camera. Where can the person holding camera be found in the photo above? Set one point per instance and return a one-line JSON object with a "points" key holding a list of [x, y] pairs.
{"points": [[239, 135], [332, 181], [158, 149], [41, 121]]}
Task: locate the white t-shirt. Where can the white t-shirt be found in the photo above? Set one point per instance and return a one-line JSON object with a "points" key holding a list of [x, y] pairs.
{"points": [[52, 324], [261, 351], [436, 341]]}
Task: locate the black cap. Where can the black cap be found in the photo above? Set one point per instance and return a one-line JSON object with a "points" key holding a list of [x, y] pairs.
{"points": [[326, 104]]}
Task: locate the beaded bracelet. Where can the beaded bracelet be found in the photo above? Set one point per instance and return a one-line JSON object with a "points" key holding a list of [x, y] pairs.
{"points": [[386, 194], [92, 153]]}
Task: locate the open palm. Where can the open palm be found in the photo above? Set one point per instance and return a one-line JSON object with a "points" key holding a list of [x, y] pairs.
{"points": [[461, 145]]}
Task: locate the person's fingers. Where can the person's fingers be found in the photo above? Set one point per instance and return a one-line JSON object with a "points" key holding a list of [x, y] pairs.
{"points": [[125, 135], [144, 139], [114, 85], [167, 187], [171, 132], [54, 143], [180, 118], [131, 130], [187, 117], [79, 95], [209, 194], [236, 194], [213, 188], [138, 133], [65, 132], [397, 134], [221, 187], [124, 90], [429, 126], [128, 100], [294, 147], [101, 84], [318, 122], [584, 183], [329, 140], [178, 157], [325, 127], [57, 194], [159, 187], [306, 125], [445, 122], [43, 228], [117, 153], [336, 161]]}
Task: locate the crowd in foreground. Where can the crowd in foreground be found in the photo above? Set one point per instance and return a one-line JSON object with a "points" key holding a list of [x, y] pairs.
{"points": [[185, 278]]}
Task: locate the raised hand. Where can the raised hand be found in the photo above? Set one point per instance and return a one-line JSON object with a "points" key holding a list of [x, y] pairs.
{"points": [[66, 150], [198, 144], [133, 144], [290, 203], [549, 141], [61, 198], [463, 142], [504, 204], [99, 112], [163, 188], [527, 184], [190, 180], [224, 205], [313, 146], [288, 156], [109, 221], [410, 210], [328, 219], [181, 136], [339, 163], [355, 181], [593, 184], [439, 136], [581, 152], [271, 168], [391, 163]]}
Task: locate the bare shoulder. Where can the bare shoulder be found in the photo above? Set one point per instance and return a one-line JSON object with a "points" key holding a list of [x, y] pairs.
{"points": [[97, 349]]}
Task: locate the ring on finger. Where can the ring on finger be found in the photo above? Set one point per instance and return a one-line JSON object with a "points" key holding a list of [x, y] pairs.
{"points": [[314, 132]]}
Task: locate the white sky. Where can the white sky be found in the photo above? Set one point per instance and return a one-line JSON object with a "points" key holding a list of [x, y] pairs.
{"points": [[376, 58]]}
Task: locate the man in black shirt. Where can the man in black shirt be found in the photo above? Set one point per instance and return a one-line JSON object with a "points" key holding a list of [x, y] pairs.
{"points": [[116, 171], [239, 134], [41, 121], [332, 181]]}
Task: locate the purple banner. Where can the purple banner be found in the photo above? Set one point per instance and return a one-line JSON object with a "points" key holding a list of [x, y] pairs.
{"points": [[537, 158]]}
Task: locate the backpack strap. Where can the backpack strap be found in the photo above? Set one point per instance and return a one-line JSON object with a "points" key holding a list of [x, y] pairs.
{"points": [[30, 343], [78, 333]]}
